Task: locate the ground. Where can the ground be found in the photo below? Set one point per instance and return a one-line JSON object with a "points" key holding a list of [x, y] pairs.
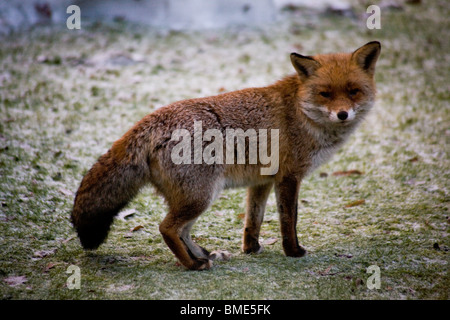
{"points": [[383, 200]]}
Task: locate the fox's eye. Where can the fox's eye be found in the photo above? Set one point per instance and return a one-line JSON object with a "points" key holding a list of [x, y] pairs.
{"points": [[353, 92], [325, 94]]}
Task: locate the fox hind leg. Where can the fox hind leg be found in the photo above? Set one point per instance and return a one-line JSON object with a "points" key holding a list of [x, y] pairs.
{"points": [[175, 229], [198, 251], [192, 247]]}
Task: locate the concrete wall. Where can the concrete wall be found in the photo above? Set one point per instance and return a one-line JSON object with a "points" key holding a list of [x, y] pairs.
{"points": [[183, 14], [170, 14], [16, 15]]}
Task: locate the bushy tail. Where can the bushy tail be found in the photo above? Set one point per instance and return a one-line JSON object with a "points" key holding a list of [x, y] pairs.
{"points": [[108, 186]]}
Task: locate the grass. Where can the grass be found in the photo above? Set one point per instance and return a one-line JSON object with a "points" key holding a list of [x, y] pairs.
{"points": [[66, 95]]}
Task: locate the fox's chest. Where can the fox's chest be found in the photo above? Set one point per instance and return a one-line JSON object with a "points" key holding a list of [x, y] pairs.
{"points": [[327, 143], [320, 156]]}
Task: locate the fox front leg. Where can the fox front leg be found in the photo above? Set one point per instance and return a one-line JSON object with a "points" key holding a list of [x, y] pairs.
{"points": [[286, 192], [256, 204]]}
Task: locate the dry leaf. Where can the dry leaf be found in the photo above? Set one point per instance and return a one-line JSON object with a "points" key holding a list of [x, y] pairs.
{"points": [[43, 253], [136, 228], [355, 203], [141, 258], [68, 239], [347, 173], [241, 216], [49, 266], [66, 192], [125, 214], [348, 256], [327, 271], [130, 234], [270, 241], [14, 281]]}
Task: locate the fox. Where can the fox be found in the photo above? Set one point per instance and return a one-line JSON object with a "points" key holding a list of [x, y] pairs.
{"points": [[313, 111]]}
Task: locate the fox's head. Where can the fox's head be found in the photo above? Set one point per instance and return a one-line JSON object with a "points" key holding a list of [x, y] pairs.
{"points": [[337, 88]]}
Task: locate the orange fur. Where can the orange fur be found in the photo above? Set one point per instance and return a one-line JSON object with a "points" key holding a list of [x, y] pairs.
{"points": [[314, 111]]}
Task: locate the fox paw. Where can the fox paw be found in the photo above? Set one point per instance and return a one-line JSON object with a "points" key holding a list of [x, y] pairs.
{"points": [[296, 252], [200, 264], [220, 255], [255, 249]]}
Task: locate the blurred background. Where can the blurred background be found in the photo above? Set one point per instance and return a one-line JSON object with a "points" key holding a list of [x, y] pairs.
{"points": [[171, 14], [67, 94]]}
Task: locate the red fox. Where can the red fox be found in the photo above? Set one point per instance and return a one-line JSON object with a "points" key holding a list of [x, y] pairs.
{"points": [[309, 115]]}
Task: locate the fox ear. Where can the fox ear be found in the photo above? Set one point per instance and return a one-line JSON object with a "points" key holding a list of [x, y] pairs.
{"points": [[366, 56], [305, 66]]}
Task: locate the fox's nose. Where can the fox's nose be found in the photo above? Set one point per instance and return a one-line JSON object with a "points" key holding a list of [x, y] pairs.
{"points": [[342, 115]]}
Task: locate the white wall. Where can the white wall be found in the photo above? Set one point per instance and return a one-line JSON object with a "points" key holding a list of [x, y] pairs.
{"points": [[172, 14]]}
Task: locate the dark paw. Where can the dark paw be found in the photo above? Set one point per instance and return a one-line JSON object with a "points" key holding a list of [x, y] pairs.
{"points": [[295, 252], [255, 248], [201, 264]]}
